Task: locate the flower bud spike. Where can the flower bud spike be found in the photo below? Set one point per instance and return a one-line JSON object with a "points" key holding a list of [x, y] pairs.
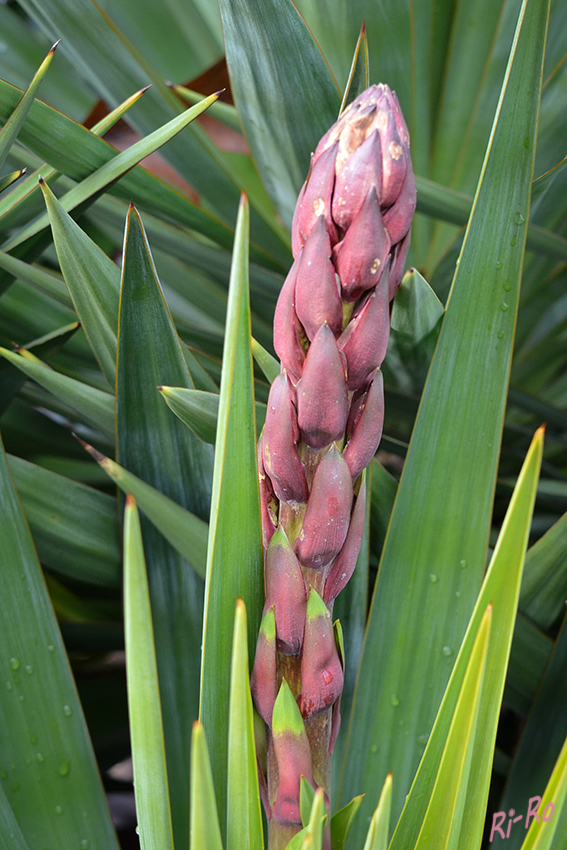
{"points": [[315, 199], [286, 591], [367, 430], [321, 670], [397, 220], [365, 339], [280, 457], [322, 398], [326, 519], [317, 297], [361, 171], [293, 755], [264, 679], [343, 566], [360, 258], [286, 327]]}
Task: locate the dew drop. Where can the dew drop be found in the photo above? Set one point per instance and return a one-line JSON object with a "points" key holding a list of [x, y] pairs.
{"points": [[463, 564], [33, 739], [433, 578], [21, 697], [490, 327], [513, 240], [64, 767], [526, 142], [9, 686], [500, 334], [137, 830], [51, 648], [16, 786], [422, 739], [14, 663], [16, 679], [85, 844], [504, 306], [67, 710], [447, 651], [29, 669], [499, 264], [458, 594], [374, 748], [40, 757], [394, 699], [507, 286], [519, 218], [58, 810]]}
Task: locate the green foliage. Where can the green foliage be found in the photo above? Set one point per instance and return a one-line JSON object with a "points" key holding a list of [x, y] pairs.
{"points": [[98, 330]]}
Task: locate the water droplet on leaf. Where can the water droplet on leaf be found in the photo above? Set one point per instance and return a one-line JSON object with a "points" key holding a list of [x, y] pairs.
{"points": [[394, 699], [519, 218], [14, 663], [433, 578], [447, 651], [40, 757], [67, 710], [64, 767]]}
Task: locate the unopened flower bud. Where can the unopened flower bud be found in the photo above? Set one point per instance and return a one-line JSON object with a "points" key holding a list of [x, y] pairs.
{"points": [[395, 152], [322, 398], [317, 298], [287, 329], [398, 263], [286, 592], [321, 670], [343, 566], [264, 679], [281, 460], [315, 200], [365, 339], [293, 755], [361, 171], [366, 427], [361, 256], [326, 519], [268, 500], [397, 220]]}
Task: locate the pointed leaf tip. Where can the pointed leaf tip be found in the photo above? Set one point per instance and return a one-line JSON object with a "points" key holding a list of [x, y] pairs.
{"points": [[54, 47]]}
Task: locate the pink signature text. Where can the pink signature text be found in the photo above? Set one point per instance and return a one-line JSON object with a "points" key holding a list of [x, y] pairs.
{"points": [[534, 803]]}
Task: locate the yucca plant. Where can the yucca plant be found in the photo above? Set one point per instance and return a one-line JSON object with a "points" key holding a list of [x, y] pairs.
{"points": [[442, 647]]}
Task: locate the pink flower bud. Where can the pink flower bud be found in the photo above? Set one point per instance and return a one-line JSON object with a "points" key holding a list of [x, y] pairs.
{"points": [[343, 566], [293, 755], [397, 220], [286, 592], [315, 199], [326, 519], [268, 501], [281, 460], [365, 339], [264, 679], [361, 256], [317, 297], [366, 427], [287, 330], [395, 154], [322, 398], [321, 670], [361, 171]]}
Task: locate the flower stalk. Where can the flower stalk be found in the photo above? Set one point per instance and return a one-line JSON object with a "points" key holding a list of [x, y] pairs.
{"points": [[350, 238]]}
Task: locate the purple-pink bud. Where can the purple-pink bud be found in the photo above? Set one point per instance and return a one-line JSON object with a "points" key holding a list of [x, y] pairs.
{"points": [[365, 426], [395, 154], [365, 339], [361, 171], [287, 330], [281, 460], [315, 199], [361, 256], [397, 220], [322, 398], [343, 566], [326, 519], [264, 679], [321, 669], [317, 298], [293, 755], [286, 592]]}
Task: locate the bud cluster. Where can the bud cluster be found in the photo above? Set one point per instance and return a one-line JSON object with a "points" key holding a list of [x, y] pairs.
{"points": [[350, 238]]}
